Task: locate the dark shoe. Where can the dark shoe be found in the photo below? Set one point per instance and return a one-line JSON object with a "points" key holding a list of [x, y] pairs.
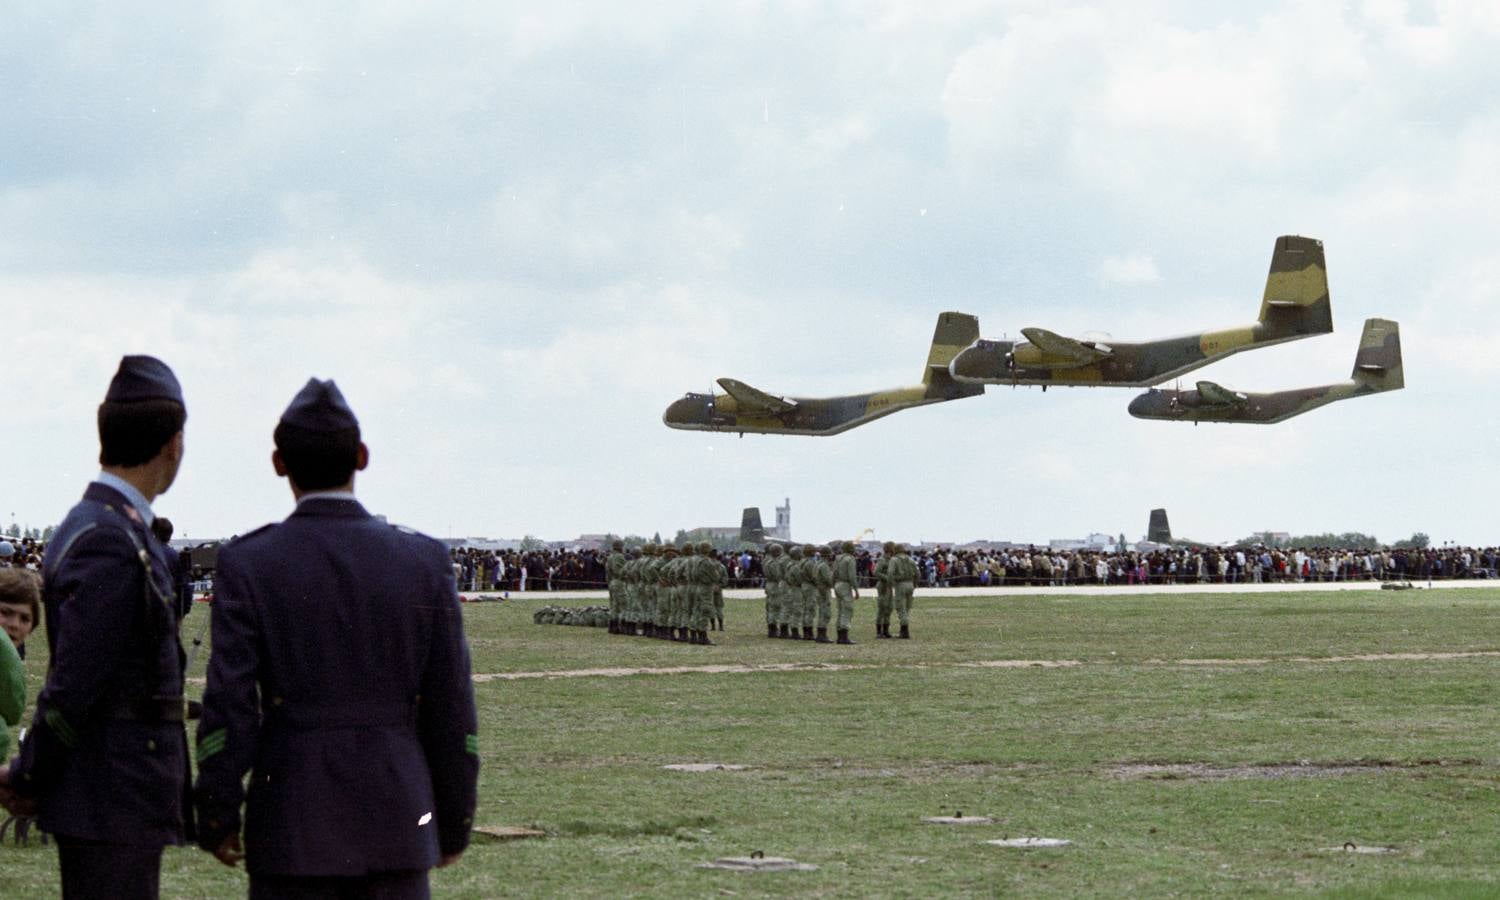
{"points": [[784, 631], [807, 632], [844, 636], [703, 640], [880, 631], [721, 625], [822, 637], [905, 632], [770, 631]]}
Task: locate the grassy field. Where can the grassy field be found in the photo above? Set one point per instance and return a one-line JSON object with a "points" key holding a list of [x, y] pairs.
{"points": [[1185, 744]]}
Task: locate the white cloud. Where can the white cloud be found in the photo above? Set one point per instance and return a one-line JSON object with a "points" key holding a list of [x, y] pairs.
{"points": [[1135, 268]]}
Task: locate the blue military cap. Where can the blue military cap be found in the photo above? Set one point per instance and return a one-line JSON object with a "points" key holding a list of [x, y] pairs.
{"points": [[319, 406], [143, 378]]}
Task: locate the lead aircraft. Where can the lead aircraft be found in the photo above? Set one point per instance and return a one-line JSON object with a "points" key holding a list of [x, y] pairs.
{"points": [[748, 410]]}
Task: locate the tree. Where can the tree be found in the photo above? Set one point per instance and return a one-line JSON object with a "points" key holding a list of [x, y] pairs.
{"points": [[1418, 541], [48, 532], [14, 530], [532, 542]]}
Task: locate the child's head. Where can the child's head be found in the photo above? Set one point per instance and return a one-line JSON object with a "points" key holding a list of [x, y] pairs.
{"points": [[20, 603]]}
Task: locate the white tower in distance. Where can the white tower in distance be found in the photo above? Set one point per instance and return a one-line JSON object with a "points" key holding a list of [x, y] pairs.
{"points": [[784, 521]]}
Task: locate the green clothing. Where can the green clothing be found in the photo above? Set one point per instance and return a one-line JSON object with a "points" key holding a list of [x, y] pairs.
{"points": [[904, 582], [883, 591], [772, 570], [791, 592], [844, 569], [822, 580], [614, 575], [12, 694]]}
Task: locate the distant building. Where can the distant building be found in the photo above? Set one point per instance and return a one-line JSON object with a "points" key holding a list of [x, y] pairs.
{"points": [[1096, 541], [783, 529]]}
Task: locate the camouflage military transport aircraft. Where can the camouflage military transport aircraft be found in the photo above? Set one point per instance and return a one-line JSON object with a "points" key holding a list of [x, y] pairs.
{"points": [[1295, 306], [1377, 368], [744, 409]]}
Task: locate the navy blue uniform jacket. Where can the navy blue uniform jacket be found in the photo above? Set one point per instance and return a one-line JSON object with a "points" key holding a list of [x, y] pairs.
{"points": [[340, 680], [106, 756]]}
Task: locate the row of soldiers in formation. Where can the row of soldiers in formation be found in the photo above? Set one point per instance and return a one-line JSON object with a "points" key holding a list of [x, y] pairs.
{"points": [[678, 593], [672, 593]]}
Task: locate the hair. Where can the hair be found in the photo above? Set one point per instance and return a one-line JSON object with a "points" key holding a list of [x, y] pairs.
{"points": [[132, 434], [22, 587], [161, 526], [318, 460]]}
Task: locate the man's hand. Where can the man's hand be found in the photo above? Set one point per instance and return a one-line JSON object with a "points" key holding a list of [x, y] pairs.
{"points": [[14, 803], [449, 859], [230, 852]]}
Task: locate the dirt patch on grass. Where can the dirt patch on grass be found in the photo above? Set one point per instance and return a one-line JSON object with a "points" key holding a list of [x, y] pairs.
{"points": [[751, 668], [1301, 768], [1358, 657], [748, 668], [626, 671]]}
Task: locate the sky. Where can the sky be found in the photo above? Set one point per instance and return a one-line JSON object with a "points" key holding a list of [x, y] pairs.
{"points": [[513, 233]]}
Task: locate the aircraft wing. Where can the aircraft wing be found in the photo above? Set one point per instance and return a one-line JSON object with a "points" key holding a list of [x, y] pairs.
{"points": [[751, 399], [1218, 395], [1053, 344]]}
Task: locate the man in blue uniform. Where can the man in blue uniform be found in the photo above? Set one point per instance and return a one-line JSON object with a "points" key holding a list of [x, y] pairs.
{"points": [[105, 762], [340, 679]]}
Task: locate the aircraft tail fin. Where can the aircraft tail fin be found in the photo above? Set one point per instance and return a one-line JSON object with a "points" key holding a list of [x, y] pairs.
{"points": [[751, 529], [1158, 531], [1296, 301], [955, 331], [1378, 363]]}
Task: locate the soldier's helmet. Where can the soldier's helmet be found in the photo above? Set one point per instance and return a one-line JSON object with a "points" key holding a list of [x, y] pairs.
{"points": [[705, 548], [775, 549], [687, 549], [809, 550], [669, 551], [618, 544], [649, 549], [901, 550], [848, 546], [796, 551], [888, 548]]}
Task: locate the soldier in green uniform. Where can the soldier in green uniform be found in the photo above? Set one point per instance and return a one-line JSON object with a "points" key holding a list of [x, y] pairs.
{"points": [[772, 570], [903, 584], [674, 592], [630, 575], [721, 579], [844, 581], [791, 606], [684, 593], [682, 601], [883, 591], [649, 570], [703, 577], [614, 577], [822, 588]]}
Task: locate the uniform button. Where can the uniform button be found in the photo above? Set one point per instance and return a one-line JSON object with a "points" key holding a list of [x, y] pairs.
{"points": [[275, 701], [151, 745]]}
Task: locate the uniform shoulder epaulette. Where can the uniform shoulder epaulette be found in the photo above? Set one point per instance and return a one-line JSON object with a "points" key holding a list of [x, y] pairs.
{"points": [[406, 529], [243, 538]]}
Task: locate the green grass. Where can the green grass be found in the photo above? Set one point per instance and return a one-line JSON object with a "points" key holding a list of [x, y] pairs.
{"points": [[1136, 757]]}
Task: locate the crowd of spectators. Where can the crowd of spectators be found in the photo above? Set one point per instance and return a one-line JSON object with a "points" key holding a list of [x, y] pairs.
{"points": [[22, 553], [581, 570], [563, 570]]}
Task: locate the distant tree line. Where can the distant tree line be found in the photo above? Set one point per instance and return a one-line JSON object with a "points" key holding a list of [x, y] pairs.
{"points": [[1349, 540]]}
